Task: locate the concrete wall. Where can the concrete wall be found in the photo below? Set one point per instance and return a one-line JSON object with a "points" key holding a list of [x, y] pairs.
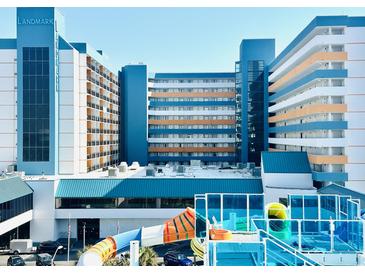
{"points": [[287, 180], [43, 226], [8, 108], [69, 112]]}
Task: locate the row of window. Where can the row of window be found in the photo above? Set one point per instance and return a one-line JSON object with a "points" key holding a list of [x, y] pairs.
{"points": [[193, 90], [191, 117], [15, 207], [36, 108], [193, 145], [192, 154], [192, 136], [192, 99], [124, 203], [191, 81], [199, 108], [192, 127]]}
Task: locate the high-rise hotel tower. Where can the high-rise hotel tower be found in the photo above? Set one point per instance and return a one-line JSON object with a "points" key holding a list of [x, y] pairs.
{"points": [[317, 99], [59, 101]]}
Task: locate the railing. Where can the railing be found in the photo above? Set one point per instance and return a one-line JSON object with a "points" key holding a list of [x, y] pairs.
{"points": [[284, 246], [337, 236]]}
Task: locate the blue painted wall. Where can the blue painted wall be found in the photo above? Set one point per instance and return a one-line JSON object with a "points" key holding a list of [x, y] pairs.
{"points": [[39, 27], [133, 125], [254, 50]]}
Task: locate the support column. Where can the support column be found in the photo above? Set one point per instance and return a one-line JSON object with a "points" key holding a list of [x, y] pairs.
{"points": [[134, 253]]}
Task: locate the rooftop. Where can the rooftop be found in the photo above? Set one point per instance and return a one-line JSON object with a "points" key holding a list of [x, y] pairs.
{"points": [[161, 172], [12, 188]]}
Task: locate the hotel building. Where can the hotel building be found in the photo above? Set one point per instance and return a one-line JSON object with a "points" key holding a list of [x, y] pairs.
{"points": [[59, 101], [191, 116], [317, 99], [188, 116]]}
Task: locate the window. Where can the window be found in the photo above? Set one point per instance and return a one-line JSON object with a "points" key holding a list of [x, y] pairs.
{"points": [[35, 104]]}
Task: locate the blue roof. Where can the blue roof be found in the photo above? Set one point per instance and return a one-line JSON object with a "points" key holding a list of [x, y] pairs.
{"points": [[195, 75], [340, 190], [285, 162], [12, 188], [153, 187]]}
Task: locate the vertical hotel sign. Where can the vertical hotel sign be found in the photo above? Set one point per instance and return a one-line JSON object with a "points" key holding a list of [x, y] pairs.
{"points": [[35, 21]]}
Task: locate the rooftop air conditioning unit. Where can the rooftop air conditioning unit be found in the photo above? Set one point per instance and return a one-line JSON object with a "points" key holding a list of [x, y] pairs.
{"points": [[113, 171], [123, 167], [150, 172], [180, 169], [11, 168]]}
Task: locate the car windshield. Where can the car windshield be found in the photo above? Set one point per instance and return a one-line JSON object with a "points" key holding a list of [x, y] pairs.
{"points": [[181, 256], [44, 258], [17, 260]]}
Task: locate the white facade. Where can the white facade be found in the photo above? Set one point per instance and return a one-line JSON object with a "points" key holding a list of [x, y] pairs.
{"points": [[8, 108], [49, 223], [69, 116]]}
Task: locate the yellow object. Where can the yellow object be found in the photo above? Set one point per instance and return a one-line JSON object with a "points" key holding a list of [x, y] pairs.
{"points": [[276, 211], [197, 247]]}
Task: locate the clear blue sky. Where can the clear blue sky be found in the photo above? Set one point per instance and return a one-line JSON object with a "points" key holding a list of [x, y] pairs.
{"points": [[179, 39]]}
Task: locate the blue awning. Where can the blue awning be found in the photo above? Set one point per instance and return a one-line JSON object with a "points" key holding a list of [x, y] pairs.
{"points": [[285, 162], [154, 187]]}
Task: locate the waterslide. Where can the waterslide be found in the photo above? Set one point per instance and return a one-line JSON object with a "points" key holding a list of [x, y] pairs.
{"points": [[281, 227], [179, 228]]}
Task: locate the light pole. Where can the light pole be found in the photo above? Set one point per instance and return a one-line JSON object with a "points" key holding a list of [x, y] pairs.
{"points": [[83, 234], [68, 238], [54, 255]]}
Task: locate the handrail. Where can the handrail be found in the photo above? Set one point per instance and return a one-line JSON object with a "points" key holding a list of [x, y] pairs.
{"points": [[295, 254], [293, 250], [288, 247], [277, 257]]}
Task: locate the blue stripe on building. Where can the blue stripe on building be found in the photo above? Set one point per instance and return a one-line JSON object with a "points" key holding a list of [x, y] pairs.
{"points": [[329, 176], [321, 125], [7, 43]]}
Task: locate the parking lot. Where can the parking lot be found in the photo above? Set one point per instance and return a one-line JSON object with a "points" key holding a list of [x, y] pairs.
{"points": [[61, 259]]}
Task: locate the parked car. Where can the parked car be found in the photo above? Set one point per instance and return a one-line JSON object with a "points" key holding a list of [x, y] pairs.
{"points": [[43, 259], [50, 247], [176, 259], [15, 260]]}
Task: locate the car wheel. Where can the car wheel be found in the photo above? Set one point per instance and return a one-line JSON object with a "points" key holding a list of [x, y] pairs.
{"points": [[166, 263]]}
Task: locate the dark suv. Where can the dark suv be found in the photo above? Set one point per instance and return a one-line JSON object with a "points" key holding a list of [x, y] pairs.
{"points": [[50, 247], [43, 259], [15, 260]]}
